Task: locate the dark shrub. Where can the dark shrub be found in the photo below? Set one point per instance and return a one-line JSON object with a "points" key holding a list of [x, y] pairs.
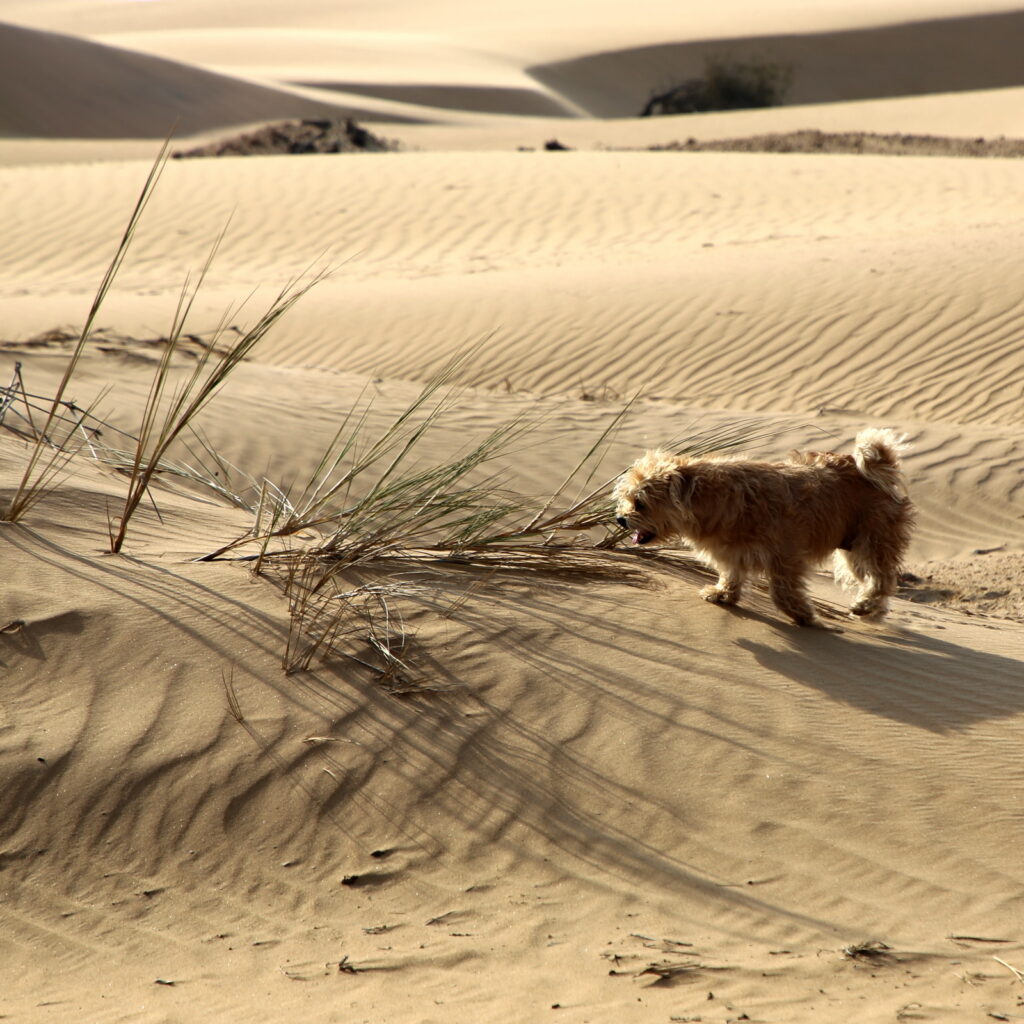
{"points": [[727, 84]]}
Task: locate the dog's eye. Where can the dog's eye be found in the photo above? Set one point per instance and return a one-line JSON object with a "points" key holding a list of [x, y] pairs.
{"points": [[638, 506]]}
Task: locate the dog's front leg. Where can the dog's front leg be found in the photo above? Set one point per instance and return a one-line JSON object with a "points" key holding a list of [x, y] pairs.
{"points": [[788, 590], [728, 588]]}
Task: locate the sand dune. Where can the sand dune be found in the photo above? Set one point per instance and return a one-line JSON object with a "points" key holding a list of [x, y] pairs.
{"points": [[106, 92], [447, 62], [594, 798], [486, 823], [722, 280], [960, 54], [397, 67]]}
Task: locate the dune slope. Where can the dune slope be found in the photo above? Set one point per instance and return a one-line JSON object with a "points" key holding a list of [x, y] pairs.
{"points": [[919, 57], [720, 280], [569, 782], [108, 92]]}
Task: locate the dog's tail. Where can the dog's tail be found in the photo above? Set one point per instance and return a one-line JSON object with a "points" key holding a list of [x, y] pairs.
{"points": [[877, 452]]}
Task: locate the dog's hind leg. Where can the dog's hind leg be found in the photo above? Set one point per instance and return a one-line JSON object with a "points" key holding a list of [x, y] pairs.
{"points": [[878, 584], [856, 571], [788, 590], [873, 565], [727, 589]]}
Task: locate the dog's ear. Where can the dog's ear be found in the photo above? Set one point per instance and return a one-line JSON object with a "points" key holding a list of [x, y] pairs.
{"points": [[680, 485]]}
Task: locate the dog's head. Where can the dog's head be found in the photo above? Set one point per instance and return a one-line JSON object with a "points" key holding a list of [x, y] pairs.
{"points": [[651, 496]]}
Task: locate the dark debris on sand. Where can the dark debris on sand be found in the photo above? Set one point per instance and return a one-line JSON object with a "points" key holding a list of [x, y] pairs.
{"points": [[313, 135], [813, 141]]}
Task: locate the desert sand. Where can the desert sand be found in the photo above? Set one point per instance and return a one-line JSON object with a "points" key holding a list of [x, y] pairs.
{"points": [[587, 799]]}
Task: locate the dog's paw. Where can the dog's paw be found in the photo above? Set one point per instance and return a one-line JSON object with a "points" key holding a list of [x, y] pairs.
{"points": [[869, 610], [718, 596]]}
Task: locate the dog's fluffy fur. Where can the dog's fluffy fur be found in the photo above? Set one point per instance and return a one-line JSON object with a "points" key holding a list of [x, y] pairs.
{"points": [[780, 519]]}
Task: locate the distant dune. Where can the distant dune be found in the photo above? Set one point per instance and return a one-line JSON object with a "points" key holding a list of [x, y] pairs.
{"points": [[57, 86], [920, 57]]}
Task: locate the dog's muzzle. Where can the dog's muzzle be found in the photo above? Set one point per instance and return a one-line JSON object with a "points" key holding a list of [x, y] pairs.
{"points": [[639, 536]]}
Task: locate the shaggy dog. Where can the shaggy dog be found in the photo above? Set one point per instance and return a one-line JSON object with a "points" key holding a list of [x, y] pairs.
{"points": [[780, 519]]}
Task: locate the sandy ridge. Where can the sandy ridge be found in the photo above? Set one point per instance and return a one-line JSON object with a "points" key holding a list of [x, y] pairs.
{"points": [[529, 777], [769, 257]]}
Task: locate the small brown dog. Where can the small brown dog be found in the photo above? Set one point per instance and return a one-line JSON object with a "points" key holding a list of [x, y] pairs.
{"points": [[780, 519]]}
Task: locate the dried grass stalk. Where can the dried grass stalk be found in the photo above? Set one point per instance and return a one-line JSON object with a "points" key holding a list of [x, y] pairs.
{"points": [[47, 460]]}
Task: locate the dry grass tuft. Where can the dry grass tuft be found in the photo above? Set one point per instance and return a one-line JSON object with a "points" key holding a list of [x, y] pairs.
{"points": [[58, 429], [871, 951], [414, 528], [165, 419], [48, 457]]}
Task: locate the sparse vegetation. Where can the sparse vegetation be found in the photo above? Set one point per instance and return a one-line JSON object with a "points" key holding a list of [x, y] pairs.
{"points": [[373, 524], [870, 951], [868, 143], [312, 135], [165, 420], [728, 83], [66, 429], [50, 453]]}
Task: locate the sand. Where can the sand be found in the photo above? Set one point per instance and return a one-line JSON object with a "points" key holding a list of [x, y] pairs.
{"points": [[584, 800]]}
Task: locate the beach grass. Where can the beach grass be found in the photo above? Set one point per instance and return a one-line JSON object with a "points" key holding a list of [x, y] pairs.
{"points": [[47, 458]]}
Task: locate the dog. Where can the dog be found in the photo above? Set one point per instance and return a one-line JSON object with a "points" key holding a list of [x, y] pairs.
{"points": [[780, 519]]}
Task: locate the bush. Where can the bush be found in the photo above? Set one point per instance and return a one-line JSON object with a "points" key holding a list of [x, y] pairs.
{"points": [[727, 84]]}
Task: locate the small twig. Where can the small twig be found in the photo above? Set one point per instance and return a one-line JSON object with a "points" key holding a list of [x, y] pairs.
{"points": [[88, 441], [28, 404], [1019, 975], [229, 685], [443, 918], [668, 971], [873, 949], [8, 392]]}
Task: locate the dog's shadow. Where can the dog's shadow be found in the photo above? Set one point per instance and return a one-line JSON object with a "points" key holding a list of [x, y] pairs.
{"points": [[899, 673]]}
